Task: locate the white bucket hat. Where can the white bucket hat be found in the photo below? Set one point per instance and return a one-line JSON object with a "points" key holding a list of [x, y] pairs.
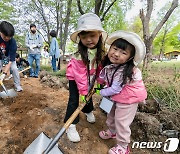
{"points": [[88, 22], [132, 38]]}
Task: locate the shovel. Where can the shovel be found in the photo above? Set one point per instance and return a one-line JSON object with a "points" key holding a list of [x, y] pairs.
{"points": [[7, 93], [44, 145], [25, 69]]}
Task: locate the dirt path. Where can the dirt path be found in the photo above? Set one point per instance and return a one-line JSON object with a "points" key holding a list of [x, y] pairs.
{"points": [[41, 109]]}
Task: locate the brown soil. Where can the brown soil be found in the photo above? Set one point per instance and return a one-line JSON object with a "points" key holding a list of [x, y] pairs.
{"points": [[39, 108]]}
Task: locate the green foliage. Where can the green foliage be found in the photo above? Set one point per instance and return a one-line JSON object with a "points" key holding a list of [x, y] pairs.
{"points": [[172, 37], [6, 9], [114, 20], [61, 73], [164, 87], [165, 95]]}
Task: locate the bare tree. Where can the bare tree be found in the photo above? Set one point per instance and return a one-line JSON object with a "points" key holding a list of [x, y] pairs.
{"points": [[145, 18]]}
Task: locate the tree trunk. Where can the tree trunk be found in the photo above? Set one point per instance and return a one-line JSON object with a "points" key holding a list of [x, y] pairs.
{"points": [[148, 39]]}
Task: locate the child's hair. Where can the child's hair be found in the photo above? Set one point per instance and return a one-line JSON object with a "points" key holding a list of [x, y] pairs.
{"points": [[17, 55], [53, 33], [7, 28], [129, 65], [46, 46], [83, 50]]}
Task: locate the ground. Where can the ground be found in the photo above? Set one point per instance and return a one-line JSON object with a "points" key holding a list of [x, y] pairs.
{"points": [[39, 108]]}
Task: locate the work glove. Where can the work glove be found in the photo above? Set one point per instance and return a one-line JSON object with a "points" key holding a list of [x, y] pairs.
{"points": [[98, 88], [83, 98], [34, 46], [31, 47], [2, 76]]}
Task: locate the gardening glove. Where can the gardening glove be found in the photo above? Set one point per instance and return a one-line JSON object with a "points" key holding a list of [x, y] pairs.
{"points": [[83, 98], [2, 76], [34, 46], [98, 89], [31, 47]]}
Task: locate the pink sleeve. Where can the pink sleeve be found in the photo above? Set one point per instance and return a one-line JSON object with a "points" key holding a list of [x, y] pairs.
{"points": [[77, 71], [99, 80]]}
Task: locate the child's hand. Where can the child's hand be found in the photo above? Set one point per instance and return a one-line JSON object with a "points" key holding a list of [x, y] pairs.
{"points": [[97, 91], [2, 76], [83, 98]]}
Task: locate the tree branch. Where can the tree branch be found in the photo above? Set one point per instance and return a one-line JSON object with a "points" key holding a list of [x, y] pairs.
{"points": [[97, 6], [79, 7], [165, 18], [149, 9], [106, 11]]}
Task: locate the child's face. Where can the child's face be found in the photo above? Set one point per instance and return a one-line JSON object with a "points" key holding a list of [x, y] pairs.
{"points": [[90, 39], [4, 37], [118, 56], [17, 59]]}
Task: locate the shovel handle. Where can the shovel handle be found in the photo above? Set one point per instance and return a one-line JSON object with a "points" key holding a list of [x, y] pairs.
{"points": [[68, 122], [25, 69], [1, 83], [78, 110]]}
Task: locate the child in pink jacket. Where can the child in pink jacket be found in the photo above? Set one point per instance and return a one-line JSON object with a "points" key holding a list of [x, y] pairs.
{"points": [[124, 86], [82, 68]]}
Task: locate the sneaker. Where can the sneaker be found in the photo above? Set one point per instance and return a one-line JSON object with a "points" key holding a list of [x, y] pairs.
{"points": [[106, 134], [72, 133], [25, 76], [9, 77], [119, 150], [90, 117], [19, 89]]}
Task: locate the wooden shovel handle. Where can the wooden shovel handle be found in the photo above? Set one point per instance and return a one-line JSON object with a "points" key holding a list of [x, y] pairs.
{"points": [[78, 110], [25, 69]]}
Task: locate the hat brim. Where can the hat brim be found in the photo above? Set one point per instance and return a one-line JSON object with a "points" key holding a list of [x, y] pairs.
{"points": [[132, 38], [75, 38]]}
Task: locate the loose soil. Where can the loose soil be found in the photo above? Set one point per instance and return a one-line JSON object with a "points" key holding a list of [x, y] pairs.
{"points": [[41, 108]]}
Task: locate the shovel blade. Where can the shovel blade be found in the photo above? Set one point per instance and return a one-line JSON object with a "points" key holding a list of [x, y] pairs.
{"points": [[39, 145], [8, 93]]}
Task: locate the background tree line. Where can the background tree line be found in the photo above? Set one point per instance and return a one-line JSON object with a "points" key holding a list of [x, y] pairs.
{"points": [[159, 34]]}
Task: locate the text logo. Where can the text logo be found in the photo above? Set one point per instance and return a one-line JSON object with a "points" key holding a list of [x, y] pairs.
{"points": [[171, 144]]}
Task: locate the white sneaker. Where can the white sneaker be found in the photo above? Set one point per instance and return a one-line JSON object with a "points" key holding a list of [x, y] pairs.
{"points": [[90, 117], [72, 133], [19, 89], [9, 77], [25, 76]]}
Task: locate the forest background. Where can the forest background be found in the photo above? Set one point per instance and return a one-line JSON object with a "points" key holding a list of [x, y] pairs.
{"points": [[158, 25]]}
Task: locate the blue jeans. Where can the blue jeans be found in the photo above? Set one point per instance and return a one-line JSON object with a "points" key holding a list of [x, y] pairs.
{"points": [[31, 58], [53, 62]]}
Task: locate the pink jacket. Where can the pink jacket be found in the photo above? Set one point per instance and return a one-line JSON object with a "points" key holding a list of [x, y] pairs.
{"points": [[76, 70], [131, 92]]}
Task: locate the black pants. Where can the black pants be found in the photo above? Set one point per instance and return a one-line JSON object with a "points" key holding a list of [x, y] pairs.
{"points": [[74, 102]]}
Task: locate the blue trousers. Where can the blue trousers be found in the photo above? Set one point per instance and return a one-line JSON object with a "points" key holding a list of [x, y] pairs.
{"points": [[31, 59], [53, 63]]}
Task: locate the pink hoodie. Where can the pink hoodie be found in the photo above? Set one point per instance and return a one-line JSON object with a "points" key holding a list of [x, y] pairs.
{"points": [[76, 70]]}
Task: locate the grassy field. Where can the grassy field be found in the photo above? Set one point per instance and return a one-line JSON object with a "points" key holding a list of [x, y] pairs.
{"points": [[162, 80]]}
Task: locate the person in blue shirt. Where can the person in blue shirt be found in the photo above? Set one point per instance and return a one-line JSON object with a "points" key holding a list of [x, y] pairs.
{"points": [[54, 50], [8, 49], [34, 42]]}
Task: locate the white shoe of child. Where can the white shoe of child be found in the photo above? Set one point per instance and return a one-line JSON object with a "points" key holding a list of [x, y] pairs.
{"points": [[19, 89], [72, 133], [25, 76], [90, 117]]}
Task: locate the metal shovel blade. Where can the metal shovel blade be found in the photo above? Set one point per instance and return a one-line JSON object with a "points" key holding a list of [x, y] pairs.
{"points": [[39, 145], [8, 93]]}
